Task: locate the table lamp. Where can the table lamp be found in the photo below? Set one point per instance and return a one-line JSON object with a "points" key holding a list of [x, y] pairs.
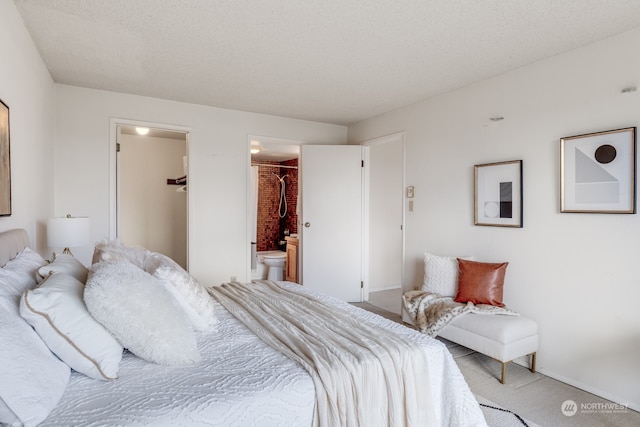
{"points": [[68, 232]]}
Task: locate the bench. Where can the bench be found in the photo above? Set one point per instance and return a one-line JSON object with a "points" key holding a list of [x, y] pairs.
{"points": [[503, 338]]}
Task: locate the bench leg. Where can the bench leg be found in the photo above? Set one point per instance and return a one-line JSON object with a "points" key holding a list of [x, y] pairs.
{"points": [[533, 362], [504, 367]]}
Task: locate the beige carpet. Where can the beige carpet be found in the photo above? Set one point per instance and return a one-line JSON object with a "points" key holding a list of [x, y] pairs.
{"points": [[497, 416], [537, 399]]}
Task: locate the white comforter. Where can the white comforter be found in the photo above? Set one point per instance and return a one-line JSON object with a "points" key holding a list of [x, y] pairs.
{"points": [[240, 382]]}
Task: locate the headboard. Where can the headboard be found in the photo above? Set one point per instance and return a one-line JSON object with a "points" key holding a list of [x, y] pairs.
{"points": [[12, 242]]}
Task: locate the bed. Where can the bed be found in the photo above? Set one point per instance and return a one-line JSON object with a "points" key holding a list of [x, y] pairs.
{"points": [[239, 381]]}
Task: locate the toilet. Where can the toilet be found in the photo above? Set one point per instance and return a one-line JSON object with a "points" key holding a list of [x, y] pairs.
{"points": [[276, 266]]}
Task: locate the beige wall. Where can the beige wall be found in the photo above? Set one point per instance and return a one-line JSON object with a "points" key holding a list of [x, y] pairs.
{"points": [[573, 273]]}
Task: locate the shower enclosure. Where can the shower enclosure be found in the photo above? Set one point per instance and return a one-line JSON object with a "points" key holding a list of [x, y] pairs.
{"points": [[274, 205]]}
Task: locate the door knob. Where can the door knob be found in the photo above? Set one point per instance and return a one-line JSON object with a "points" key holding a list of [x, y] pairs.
{"points": [[307, 224]]}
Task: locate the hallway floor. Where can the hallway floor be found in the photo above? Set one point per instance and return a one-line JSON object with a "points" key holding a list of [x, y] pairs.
{"points": [[390, 300]]}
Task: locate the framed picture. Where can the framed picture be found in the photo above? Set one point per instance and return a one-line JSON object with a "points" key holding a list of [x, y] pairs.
{"points": [[498, 194], [5, 162], [598, 172]]}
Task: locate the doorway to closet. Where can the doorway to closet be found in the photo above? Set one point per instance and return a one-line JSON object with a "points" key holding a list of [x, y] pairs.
{"points": [[151, 181]]}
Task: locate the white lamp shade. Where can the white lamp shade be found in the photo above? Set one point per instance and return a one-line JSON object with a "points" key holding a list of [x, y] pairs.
{"points": [[68, 232]]}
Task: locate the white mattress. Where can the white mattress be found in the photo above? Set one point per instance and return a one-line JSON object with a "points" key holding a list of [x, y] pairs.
{"points": [[240, 382]]}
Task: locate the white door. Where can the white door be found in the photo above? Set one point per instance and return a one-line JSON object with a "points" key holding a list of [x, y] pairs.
{"points": [[331, 223]]}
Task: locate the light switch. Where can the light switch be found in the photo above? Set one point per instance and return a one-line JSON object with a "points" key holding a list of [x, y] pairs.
{"points": [[410, 205]]}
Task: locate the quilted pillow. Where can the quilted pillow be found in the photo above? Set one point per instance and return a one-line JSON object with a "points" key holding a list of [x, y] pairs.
{"points": [[33, 378], [64, 263], [141, 313], [20, 272], [441, 274], [481, 282], [191, 295], [57, 312]]}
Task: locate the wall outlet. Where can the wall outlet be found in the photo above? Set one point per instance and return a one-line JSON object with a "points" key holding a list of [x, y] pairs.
{"points": [[234, 278]]}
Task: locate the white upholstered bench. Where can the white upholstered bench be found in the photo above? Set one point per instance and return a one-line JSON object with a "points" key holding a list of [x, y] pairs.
{"points": [[503, 338]]}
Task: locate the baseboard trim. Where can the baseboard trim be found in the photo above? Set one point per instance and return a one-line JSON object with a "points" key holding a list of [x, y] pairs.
{"points": [[391, 288], [589, 389]]}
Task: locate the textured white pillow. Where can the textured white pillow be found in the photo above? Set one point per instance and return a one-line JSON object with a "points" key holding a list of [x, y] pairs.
{"points": [[22, 270], [64, 263], [57, 312], [32, 378], [141, 313], [191, 295], [115, 251], [441, 274]]}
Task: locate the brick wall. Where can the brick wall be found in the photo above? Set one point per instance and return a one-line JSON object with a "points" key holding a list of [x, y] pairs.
{"points": [[270, 226]]}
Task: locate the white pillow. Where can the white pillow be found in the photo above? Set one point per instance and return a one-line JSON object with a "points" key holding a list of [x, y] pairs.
{"points": [[22, 269], [57, 312], [191, 295], [441, 274], [33, 378], [64, 263], [141, 313], [115, 251]]}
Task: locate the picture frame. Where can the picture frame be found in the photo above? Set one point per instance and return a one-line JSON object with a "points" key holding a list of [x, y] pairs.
{"points": [[598, 172], [498, 194], [5, 161]]}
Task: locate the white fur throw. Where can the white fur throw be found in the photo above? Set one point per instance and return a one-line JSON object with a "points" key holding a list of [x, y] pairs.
{"points": [[432, 312], [141, 313]]}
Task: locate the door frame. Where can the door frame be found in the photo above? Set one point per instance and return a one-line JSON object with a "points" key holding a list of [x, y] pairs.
{"points": [[367, 182], [114, 214]]}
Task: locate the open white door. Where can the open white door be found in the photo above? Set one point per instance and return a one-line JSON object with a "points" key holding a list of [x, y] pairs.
{"points": [[331, 220]]}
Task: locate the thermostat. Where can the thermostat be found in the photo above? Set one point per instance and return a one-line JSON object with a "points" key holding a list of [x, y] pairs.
{"points": [[410, 192]]}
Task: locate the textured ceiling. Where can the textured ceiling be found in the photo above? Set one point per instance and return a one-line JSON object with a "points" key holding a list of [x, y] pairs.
{"points": [[333, 61]]}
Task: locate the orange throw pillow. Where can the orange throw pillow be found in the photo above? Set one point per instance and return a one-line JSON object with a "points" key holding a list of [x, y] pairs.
{"points": [[480, 282]]}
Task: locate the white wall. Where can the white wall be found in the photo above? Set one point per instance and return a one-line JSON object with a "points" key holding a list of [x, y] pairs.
{"points": [[27, 88], [153, 214], [218, 168], [574, 273]]}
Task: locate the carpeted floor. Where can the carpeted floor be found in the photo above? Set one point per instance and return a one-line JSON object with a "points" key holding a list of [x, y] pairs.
{"points": [[530, 399]]}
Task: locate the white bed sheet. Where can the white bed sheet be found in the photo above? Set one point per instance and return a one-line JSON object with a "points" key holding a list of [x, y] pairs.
{"points": [[240, 382]]}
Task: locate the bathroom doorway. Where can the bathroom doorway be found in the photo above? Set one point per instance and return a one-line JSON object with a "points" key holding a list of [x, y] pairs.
{"points": [[274, 200], [333, 212], [151, 189]]}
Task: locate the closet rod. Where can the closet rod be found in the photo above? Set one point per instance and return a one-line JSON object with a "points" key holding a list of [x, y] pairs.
{"points": [[273, 166]]}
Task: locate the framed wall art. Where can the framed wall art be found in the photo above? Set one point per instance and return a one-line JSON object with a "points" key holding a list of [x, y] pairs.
{"points": [[498, 194], [5, 162], [598, 172]]}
